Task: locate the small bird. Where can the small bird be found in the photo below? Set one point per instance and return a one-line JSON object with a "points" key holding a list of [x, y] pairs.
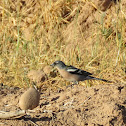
{"points": [[73, 74]]}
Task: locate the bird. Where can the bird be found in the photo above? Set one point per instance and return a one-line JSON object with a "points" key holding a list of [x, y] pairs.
{"points": [[29, 99], [73, 74]]}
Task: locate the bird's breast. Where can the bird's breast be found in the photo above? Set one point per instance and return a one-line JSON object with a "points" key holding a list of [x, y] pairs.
{"points": [[68, 76]]}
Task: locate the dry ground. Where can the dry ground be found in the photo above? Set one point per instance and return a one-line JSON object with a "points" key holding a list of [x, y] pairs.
{"points": [[102, 105]]}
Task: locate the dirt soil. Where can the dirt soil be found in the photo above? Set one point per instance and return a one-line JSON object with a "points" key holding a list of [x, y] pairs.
{"points": [[101, 105]]}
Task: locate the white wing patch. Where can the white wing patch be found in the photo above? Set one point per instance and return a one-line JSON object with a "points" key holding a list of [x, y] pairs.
{"points": [[72, 69], [75, 70]]}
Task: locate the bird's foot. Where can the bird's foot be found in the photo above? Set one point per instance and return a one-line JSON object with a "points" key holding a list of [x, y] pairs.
{"points": [[72, 85]]}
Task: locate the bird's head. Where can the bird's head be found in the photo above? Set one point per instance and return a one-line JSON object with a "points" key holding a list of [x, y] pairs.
{"points": [[58, 64]]}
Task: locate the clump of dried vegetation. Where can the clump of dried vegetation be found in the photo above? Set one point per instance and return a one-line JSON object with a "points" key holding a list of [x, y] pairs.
{"points": [[35, 33]]}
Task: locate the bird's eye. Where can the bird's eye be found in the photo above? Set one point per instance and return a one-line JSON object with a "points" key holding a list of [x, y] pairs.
{"points": [[56, 62]]}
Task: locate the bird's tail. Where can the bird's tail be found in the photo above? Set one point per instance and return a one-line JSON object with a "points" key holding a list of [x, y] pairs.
{"points": [[94, 78]]}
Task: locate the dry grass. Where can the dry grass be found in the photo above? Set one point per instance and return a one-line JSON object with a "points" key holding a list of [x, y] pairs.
{"points": [[31, 35]]}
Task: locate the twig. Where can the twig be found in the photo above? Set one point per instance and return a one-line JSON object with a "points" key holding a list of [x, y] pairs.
{"points": [[34, 123], [86, 100], [17, 114]]}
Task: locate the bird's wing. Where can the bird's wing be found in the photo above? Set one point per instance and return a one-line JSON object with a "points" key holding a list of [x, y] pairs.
{"points": [[74, 70]]}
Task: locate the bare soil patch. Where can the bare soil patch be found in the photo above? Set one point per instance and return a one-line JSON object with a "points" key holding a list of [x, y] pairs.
{"points": [[101, 105]]}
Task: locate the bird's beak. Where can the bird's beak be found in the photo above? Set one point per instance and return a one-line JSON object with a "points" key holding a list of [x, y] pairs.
{"points": [[52, 65]]}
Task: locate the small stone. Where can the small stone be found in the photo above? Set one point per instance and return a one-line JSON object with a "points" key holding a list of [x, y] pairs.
{"points": [[30, 99], [47, 69], [37, 76]]}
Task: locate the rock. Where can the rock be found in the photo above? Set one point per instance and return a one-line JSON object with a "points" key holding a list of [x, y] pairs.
{"points": [[29, 99], [37, 76], [47, 69]]}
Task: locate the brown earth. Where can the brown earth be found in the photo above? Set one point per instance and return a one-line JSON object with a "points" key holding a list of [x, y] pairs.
{"points": [[101, 105]]}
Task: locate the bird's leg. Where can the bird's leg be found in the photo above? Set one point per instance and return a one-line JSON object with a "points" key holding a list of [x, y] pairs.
{"points": [[74, 83]]}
